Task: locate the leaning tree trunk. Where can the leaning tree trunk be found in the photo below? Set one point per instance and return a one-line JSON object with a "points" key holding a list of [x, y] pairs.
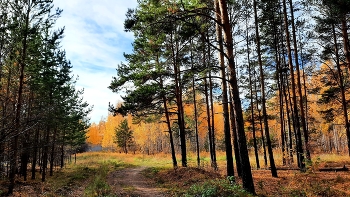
{"points": [[173, 156], [180, 111]]}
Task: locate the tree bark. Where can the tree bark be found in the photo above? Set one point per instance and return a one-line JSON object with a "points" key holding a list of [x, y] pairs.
{"points": [[18, 109], [297, 66], [226, 115], [263, 95], [342, 87], [346, 43], [251, 99], [247, 177], [300, 151]]}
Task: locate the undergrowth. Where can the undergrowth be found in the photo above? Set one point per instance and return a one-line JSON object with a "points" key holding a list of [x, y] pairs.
{"points": [[216, 188]]}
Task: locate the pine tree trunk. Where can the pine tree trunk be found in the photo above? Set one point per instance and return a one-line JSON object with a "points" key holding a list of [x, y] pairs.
{"points": [[173, 156], [52, 154], [195, 111], [251, 100], [196, 122], [301, 103], [226, 115], [346, 43], [260, 123], [215, 165], [14, 142], [234, 135], [263, 95], [35, 152], [300, 151], [342, 87], [210, 137], [247, 177], [180, 111]]}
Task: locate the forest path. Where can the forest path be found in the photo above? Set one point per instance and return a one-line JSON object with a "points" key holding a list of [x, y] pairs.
{"points": [[131, 182]]}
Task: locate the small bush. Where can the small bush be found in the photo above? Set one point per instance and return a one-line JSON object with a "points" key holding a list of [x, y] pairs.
{"points": [[216, 188]]}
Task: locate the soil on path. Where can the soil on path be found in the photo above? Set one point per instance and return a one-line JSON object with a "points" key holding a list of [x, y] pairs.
{"points": [[131, 182]]}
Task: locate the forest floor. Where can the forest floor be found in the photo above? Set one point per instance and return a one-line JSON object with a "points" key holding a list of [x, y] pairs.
{"points": [[106, 174]]}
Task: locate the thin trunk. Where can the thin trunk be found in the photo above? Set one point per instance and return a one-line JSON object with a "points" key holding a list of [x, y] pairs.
{"points": [[234, 135], [195, 112], [215, 165], [171, 138], [301, 103], [45, 154], [300, 150], [196, 122], [288, 120], [263, 95], [35, 152], [279, 84], [261, 124], [62, 156], [18, 108], [294, 124], [173, 156], [178, 94], [281, 119], [346, 43], [210, 137], [342, 88], [251, 100], [52, 154]]}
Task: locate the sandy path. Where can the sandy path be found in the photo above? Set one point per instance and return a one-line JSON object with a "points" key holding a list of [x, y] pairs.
{"points": [[130, 182]]}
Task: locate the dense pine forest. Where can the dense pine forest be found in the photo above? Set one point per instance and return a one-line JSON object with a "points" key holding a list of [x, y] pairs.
{"points": [[42, 115], [249, 76], [248, 79]]}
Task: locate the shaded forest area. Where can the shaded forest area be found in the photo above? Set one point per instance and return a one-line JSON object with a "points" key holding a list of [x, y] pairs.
{"points": [[278, 70], [43, 117]]}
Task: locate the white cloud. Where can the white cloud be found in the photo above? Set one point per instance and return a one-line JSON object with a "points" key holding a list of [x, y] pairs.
{"points": [[94, 42]]}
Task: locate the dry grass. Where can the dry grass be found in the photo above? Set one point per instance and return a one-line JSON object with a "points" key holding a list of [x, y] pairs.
{"points": [[75, 177]]}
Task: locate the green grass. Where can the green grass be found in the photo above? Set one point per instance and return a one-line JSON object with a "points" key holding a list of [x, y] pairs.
{"points": [[216, 188], [90, 172]]}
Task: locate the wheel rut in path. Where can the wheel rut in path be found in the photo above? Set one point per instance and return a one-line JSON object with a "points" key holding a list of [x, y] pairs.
{"points": [[131, 182]]}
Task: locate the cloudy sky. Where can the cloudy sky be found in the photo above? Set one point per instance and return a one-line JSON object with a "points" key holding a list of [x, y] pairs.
{"points": [[94, 42]]}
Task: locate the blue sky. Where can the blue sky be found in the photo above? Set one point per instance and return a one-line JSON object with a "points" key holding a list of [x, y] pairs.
{"points": [[95, 42]]}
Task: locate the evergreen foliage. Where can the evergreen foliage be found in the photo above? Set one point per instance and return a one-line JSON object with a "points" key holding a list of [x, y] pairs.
{"points": [[124, 136]]}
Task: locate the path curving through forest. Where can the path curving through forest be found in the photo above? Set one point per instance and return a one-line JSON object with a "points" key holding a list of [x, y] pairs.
{"points": [[131, 182]]}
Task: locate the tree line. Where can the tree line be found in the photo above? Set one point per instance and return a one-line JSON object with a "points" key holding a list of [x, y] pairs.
{"points": [[43, 117], [243, 55]]}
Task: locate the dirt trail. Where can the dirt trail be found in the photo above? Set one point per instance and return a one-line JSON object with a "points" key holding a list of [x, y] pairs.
{"points": [[130, 182]]}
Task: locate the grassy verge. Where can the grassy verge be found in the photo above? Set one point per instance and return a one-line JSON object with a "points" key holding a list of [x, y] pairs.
{"points": [[85, 178], [88, 177]]}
